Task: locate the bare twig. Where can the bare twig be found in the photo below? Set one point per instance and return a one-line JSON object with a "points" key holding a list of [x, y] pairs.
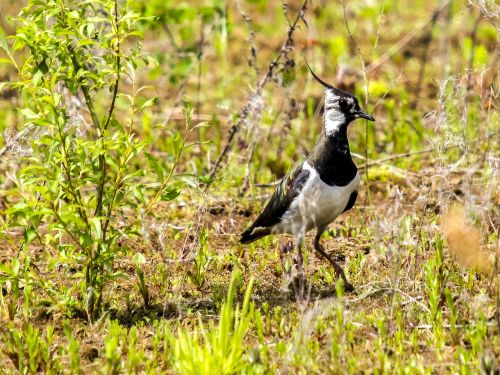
{"points": [[413, 153], [400, 156], [445, 40], [199, 59], [252, 61], [196, 223], [381, 17], [285, 47], [248, 178], [176, 114], [171, 37], [473, 38], [373, 292]]}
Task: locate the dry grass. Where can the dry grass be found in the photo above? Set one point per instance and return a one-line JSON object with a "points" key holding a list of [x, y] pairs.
{"points": [[464, 241]]}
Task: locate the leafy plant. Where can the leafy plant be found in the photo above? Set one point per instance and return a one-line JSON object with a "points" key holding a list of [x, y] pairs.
{"points": [[201, 261], [216, 349], [113, 348], [81, 177], [29, 351], [139, 260], [73, 349], [17, 278], [435, 281], [434, 142]]}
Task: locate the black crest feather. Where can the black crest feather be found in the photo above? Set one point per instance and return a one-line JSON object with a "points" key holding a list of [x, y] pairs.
{"points": [[335, 90], [328, 86]]}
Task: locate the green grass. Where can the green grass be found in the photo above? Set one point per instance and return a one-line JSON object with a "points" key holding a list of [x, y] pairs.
{"points": [[176, 292]]}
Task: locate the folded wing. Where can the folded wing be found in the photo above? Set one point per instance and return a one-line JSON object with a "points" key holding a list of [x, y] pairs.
{"points": [[278, 204]]}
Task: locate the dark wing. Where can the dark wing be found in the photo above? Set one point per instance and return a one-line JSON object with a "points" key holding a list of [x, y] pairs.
{"points": [[352, 200], [280, 201]]}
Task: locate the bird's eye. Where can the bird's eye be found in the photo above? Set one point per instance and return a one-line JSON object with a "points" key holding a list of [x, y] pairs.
{"points": [[342, 103]]}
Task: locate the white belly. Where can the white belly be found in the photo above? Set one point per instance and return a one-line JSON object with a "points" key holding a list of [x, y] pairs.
{"points": [[317, 205]]}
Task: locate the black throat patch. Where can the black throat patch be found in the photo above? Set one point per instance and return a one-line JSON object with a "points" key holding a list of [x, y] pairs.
{"points": [[332, 159]]}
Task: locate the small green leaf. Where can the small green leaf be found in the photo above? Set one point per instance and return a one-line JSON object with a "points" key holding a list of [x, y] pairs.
{"points": [[139, 259], [96, 224], [137, 191], [85, 42], [29, 114], [149, 103], [6, 61], [3, 41], [37, 77], [205, 179], [170, 194], [203, 124], [29, 234], [85, 240], [154, 164], [177, 143]]}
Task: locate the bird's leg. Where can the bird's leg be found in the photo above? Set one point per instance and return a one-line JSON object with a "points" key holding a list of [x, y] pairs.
{"points": [[338, 269], [300, 270]]}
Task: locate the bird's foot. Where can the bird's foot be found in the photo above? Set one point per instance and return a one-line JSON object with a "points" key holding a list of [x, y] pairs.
{"points": [[298, 286], [348, 287], [287, 247], [339, 272]]}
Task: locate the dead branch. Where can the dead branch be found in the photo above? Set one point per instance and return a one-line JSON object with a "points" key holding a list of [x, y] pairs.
{"points": [[285, 48]]}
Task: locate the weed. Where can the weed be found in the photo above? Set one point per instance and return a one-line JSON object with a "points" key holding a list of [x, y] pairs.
{"points": [[139, 260], [216, 349], [29, 350], [201, 261]]}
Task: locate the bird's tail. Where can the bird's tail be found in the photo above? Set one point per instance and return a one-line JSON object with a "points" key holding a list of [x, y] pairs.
{"points": [[252, 234]]}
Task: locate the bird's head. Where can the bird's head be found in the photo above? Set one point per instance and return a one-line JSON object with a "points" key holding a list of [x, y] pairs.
{"points": [[341, 107]]}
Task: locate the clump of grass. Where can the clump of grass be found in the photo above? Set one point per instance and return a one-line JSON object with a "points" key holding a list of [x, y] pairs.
{"points": [[216, 349], [464, 241]]}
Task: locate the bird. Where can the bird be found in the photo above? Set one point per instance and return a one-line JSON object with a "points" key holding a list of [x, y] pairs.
{"points": [[320, 188]]}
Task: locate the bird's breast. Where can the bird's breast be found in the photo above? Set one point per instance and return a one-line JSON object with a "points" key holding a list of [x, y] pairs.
{"points": [[318, 204]]}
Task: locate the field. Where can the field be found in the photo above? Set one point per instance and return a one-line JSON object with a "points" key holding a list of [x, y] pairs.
{"points": [[140, 138]]}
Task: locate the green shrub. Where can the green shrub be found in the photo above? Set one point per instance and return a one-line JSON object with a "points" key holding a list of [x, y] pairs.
{"points": [[82, 176]]}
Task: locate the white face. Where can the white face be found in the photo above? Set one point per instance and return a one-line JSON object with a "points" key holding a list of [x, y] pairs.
{"points": [[336, 108]]}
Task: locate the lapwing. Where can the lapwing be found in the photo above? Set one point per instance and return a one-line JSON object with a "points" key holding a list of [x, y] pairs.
{"points": [[314, 193]]}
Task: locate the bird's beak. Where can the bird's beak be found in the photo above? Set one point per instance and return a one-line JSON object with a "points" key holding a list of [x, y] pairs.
{"points": [[364, 115]]}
